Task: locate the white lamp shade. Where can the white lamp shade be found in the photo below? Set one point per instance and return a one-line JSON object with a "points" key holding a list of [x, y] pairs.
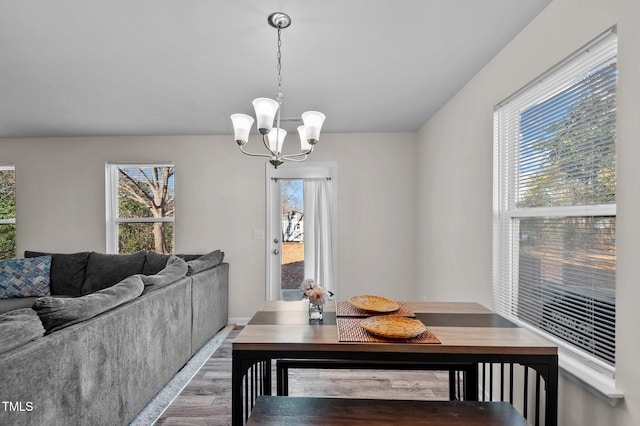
{"points": [[241, 126], [265, 112], [276, 140], [312, 121], [304, 144]]}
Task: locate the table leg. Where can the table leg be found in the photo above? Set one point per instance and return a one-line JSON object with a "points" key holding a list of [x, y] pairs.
{"points": [[245, 387], [549, 373], [266, 377], [470, 390], [238, 372], [551, 395]]}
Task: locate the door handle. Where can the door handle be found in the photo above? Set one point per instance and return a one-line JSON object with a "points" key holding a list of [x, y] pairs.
{"points": [[276, 251]]}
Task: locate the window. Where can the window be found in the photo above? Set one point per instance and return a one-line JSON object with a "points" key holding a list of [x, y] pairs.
{"points": [[7, 211], [555, 205], [140, 208]]}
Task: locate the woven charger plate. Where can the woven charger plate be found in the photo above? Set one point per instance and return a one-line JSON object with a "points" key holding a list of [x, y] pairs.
{"points": [[374, 303], [346, 309], [393, 327]]}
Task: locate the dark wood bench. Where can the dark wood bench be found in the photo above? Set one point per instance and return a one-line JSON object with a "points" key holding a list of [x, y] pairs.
{"points": [[464, 387], [301, 411]]}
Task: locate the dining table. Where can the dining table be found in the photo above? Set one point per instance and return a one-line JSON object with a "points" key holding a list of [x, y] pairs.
{"points": [[457, 333]]}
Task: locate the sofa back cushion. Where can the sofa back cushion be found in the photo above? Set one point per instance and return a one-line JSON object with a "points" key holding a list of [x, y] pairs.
{"points": [[24, 277], [206, 261], [155, 262], [105, 270], [59, 312], [67, 271], [175, 269]]}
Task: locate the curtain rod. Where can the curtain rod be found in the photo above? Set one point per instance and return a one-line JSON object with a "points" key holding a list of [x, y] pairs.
{"points": [[275, 179]]}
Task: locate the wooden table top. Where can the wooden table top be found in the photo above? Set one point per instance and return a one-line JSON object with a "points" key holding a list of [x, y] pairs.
{"points": [[461, 327]]}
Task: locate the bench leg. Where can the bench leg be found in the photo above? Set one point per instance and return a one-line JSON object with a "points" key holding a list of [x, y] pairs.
{"points": [[282, 379], [452, 385]]}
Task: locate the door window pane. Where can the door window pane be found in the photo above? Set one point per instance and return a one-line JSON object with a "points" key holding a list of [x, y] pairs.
{"points": [[292, 263]]}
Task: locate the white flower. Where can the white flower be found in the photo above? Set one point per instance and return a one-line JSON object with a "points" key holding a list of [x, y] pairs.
{"points": [[306, 285], [316, 294]]}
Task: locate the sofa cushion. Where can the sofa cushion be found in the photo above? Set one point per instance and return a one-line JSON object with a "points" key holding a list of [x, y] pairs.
{"points": [[25, 277], [175, 269], [206, 261], [67, 271], [105, 270], [7, 305], [154, 262], [19, 327], [188, 257], [59, 312]]}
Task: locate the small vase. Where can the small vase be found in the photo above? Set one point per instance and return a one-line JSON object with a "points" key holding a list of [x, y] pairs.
{"points": [[315, 311]]}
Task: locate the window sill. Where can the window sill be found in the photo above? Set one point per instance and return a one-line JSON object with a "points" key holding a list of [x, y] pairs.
{"points": [[589, 380]]}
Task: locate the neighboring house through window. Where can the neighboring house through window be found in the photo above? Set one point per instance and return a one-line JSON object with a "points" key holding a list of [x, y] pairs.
{"points": [[555, 207], [7, 211], [140, 207]]}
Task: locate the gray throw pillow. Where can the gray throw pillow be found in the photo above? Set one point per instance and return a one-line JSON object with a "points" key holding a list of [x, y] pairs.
{"points": [[175, 269], [19, 327], [105, 270], [206, 261], [57, 313]]}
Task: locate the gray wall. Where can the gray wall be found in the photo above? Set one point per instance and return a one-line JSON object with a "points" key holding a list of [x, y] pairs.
{"points": [[455, 183], [220, 200]]}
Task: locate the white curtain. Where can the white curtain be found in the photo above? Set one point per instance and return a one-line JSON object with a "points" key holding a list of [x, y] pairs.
{"points": [[318, 233]]}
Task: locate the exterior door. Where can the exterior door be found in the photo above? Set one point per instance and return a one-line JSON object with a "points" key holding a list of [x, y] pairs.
{"points": [[296, 247]]}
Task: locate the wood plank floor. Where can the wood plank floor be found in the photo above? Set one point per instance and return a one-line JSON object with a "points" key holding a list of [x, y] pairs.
{"points": [[206, 400]]}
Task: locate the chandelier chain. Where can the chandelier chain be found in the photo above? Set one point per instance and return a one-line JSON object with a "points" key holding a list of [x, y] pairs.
{"points": [[279, 98]]}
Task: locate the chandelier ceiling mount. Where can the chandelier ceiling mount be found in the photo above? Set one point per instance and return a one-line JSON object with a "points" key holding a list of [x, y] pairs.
{"points": [[279, 20]]}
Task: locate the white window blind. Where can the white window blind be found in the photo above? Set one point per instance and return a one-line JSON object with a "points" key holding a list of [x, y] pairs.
{"points": [[554, 204]]}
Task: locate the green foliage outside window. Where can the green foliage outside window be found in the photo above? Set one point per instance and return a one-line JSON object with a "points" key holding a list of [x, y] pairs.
{"points": [[145, 192], [7, 241], [7, 211], [134, 237], [559, 170]]}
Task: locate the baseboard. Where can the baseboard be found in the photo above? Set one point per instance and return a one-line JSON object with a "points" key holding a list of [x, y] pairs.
{"points": [[239, 321]]}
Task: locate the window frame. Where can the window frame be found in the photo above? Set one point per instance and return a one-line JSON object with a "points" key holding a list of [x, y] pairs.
{"points": [[112, 216], [594, 373], [12, 221]]}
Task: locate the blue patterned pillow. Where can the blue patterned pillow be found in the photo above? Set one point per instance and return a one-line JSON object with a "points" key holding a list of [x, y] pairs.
{"points": [[25, 277]]}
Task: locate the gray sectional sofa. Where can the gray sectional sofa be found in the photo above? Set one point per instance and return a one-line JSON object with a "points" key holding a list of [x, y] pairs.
{"points": [[104, 369]]}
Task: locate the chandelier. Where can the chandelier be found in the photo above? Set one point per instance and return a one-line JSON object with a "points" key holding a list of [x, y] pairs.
{"points": [[267, 110]]}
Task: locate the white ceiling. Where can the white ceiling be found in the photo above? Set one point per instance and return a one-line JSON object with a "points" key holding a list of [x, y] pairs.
{"points": [[165, 67]]}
